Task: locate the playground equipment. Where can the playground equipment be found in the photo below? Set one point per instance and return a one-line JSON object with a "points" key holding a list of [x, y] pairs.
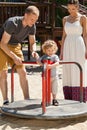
{"points": [[42, 109]]}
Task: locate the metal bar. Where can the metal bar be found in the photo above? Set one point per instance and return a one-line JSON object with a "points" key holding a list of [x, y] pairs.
{"points": [[12, 78], [48, 85], [12, 83], [81, 77], [81, 82], [44, 89]]}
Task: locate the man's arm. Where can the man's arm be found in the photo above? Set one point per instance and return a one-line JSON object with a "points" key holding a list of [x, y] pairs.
{"points": [[3, 45], [32, 41]]}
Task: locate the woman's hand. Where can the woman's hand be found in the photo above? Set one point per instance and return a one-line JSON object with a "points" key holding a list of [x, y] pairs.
{"points": [[86, 54], [61, 56]]}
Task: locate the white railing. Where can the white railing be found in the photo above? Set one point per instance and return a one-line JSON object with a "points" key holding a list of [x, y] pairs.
{"points": [[83, 9]]}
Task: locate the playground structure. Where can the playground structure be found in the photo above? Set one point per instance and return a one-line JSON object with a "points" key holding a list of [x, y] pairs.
{"points": [[48, 26], [42, 108], [46, 21]]}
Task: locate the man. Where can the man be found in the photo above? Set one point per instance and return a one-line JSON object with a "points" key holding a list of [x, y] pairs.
{"points": [[16, 29]]}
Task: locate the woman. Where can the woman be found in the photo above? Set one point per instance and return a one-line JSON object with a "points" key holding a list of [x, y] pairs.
{"points": [[74, 48]]}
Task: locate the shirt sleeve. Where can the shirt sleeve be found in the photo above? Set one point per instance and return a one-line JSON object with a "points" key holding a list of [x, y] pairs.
{"points": [[32, 31], [9, 27], [56, 58]]}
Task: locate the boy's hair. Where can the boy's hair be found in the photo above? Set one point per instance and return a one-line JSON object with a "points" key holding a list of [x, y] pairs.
{"points": [[48, 44], [75, 2], [32, 10]]}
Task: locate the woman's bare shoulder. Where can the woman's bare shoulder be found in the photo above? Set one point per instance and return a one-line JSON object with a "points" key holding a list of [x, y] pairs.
{"points": [[65, 19], [83, 17]]}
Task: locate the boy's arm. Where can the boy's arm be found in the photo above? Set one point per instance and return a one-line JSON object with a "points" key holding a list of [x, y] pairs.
{"points": [[56, 63], [50, 66]]}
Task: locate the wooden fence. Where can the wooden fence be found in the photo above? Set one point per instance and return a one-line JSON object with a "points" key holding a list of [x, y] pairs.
{"points": [[9, 9], [46, 23]]}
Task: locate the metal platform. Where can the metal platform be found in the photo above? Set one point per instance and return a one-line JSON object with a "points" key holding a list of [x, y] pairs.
{"points": [[32, 109]]}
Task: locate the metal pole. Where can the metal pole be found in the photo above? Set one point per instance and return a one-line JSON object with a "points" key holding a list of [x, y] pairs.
{"points": [[12, 83], [48, 73], [12, 78], [81, 77], [44, 89]]}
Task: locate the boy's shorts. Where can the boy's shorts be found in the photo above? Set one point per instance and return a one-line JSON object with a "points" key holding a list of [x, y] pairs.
{"points": [[5, 60]]}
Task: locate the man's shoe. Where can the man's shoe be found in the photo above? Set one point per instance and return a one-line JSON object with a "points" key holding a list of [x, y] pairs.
{"points": [[6, 102]]}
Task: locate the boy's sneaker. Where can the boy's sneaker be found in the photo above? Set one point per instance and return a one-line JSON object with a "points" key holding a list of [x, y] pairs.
{"points": [[55, 102], [6, 102]]}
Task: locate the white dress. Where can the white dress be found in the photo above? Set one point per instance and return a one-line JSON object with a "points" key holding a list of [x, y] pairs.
{"points": [[74, 50]]}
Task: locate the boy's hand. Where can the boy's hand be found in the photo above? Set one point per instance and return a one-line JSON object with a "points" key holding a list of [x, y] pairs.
{"points": [[49, 66]]}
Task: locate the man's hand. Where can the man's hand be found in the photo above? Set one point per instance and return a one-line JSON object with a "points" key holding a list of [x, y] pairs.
{"points": [[35, 55], [17, 60]]}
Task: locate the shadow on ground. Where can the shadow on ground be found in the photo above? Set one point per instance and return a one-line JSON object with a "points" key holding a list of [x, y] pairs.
{"points": [[32, 124]]}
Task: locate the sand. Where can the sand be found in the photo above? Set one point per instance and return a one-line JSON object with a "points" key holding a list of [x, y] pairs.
{"points": [[14, 123]]}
